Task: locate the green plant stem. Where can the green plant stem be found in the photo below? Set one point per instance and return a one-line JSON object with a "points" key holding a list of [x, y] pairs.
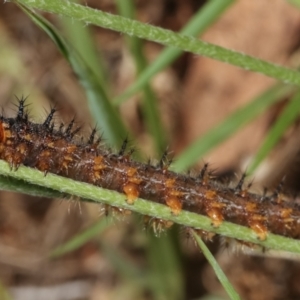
{"points": [[150, 103], [218, 271], [20, 186], [81, 238], [229, 126], [99, 195], [100, 107], [287, 117], [81, 39], [165, 37], [166, 273], [295, 2], [197, 25]]}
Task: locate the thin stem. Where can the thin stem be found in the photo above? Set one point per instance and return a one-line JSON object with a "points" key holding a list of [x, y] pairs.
{"points": [[202, 19], [99, 195], [165, 37]]}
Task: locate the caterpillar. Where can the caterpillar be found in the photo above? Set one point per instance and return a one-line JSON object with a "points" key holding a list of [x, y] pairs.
{"points": [[62, 151]]}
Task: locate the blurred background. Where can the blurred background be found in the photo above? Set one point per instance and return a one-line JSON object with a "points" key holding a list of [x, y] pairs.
{"points": [[119, 256]]}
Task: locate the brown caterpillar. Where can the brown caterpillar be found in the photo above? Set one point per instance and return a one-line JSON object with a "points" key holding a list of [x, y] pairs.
{"points": [[61, 152]]}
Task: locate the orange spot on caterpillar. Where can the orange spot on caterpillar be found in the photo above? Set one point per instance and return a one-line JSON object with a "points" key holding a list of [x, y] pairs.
{"points": [[131, 171], [216, 216], [169, 183], [175, 204], [27, 137], [98, 163], [2, 132], [210, 195], [256, 223], [43, 163], [98, 167], [285, 212], [251, 207], [260, 229], [132, 176], [217, 204], [19, 155], [67, 156], [132, 192]]}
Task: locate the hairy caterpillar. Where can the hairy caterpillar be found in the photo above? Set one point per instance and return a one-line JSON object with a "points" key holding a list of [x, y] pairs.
{"points": [[62, 152]]}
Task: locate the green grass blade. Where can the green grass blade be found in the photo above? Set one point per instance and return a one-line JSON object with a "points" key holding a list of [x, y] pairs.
{"points": [[149, 104], [166, 278], [4, 293], [80, 38], [228, 127], [197, 25], [153, 120], [102, 110], [165, 37], [295, 2], [81, 238], [218, 271], [287, 117], [124, 267]]}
